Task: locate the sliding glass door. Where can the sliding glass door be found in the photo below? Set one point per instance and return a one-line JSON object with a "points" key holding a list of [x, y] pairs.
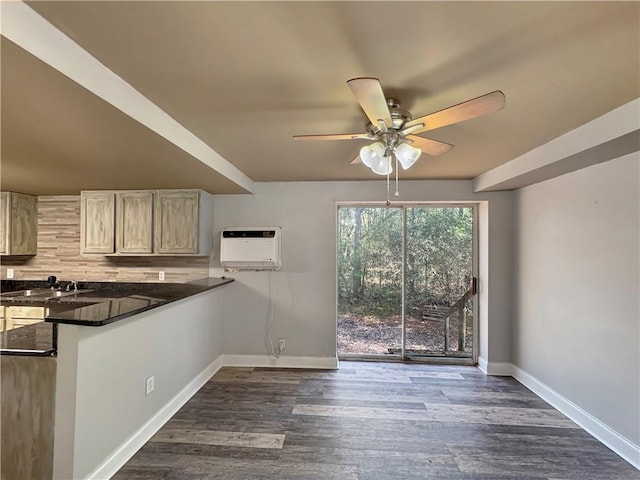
{"points": [[439, 283], [370, 245], [406, 282]]}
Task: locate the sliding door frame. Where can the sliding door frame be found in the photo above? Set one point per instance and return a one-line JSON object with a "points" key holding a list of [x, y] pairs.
{"points": [[403, 357]]}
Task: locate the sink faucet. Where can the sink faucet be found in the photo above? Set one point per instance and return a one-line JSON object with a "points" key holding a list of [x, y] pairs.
{"points": [[73, 284]]}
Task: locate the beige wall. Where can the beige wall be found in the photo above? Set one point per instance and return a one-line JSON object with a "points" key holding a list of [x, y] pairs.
{"points": [[578, 269], [59, 253], [304, 290]]}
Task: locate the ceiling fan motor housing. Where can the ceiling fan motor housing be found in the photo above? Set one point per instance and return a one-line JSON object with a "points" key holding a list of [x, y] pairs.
{"points": [[398, 118]]}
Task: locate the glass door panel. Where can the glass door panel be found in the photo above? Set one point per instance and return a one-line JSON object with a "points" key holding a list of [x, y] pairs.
{"points": [[370, 246], [439, 285]]}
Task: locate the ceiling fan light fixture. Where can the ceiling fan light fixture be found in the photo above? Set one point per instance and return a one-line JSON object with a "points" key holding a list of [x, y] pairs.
{"points": [[407, 155], [371, 154], [383, 167]]}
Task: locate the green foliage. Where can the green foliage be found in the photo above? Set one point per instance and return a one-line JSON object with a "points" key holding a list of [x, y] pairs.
{"points": [[438, 260]]}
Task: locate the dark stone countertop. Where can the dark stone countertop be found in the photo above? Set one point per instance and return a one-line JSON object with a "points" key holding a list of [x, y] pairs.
{"points": [[107, 302]]}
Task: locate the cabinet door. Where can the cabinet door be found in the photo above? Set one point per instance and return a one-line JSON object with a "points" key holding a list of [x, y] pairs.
{"points": [[23, 234], [134, 222], [4, 222], [97, 222], [176, 222], [17, 317]]}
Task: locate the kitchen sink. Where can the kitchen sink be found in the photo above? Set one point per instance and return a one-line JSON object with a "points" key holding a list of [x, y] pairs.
{"points": [[60, 293]]}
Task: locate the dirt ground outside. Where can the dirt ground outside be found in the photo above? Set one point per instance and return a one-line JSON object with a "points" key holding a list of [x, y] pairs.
{"points": [[376, 336]]}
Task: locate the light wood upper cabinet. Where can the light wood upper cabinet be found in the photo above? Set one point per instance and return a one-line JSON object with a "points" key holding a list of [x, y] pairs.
{"points": [[177, 222], [134, 222], [158, 222], [183, 222], [97, 222], [18, 224]]}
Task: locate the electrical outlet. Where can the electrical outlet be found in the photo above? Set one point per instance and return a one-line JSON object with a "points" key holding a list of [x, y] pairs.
{"points": [[150, 384], [9, 272], [161, 276], [282, 344]]}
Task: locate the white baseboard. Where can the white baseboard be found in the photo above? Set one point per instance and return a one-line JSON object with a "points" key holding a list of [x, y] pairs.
{"points": [[482, 365], [285, 361], [119, 457], [498, 369], [616, 442]]}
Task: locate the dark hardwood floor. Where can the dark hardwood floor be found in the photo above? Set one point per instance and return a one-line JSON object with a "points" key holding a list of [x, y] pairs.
{"points": [[371, 421]]}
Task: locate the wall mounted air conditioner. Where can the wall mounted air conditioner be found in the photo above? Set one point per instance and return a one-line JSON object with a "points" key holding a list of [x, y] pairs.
{"points": [[250, 248]]}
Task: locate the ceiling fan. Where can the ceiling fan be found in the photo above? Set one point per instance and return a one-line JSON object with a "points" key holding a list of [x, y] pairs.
{"points": [[393, 129]]}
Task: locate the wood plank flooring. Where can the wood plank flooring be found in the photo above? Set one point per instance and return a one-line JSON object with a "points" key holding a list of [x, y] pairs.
{"points": [[371, 421]]}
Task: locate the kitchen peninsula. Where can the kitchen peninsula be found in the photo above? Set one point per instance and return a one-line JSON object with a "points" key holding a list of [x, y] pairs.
{"points": [[95, 304], [97, 376]]}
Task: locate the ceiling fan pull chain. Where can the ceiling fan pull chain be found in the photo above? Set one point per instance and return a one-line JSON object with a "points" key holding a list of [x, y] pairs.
{"points": [[397, 194], [388, 201]]}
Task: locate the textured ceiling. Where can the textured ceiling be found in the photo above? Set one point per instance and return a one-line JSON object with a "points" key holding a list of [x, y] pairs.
{"points": [[247, 76]]}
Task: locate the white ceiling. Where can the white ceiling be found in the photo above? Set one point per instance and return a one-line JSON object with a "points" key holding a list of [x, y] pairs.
{"points": [[246, 76]]}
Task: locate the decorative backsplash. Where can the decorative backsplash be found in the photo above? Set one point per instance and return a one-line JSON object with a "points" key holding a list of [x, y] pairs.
{"points": [[59, 253]]}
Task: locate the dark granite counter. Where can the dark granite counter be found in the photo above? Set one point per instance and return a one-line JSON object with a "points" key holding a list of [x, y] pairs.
{"points": [[117, 305], [94, 304]]}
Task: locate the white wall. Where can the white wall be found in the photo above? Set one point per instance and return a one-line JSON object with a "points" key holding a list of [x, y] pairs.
{"points": [[578, 315], [304, 291], [100, 399]]}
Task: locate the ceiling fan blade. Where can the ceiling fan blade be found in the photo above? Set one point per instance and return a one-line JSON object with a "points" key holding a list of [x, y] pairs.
{"points": [[369, 94], [355, 161], [431, 147], [477, 107], [336, 136]]}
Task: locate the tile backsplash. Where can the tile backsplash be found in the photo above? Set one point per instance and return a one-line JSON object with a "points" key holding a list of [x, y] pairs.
{"points": [[59, 253]]}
